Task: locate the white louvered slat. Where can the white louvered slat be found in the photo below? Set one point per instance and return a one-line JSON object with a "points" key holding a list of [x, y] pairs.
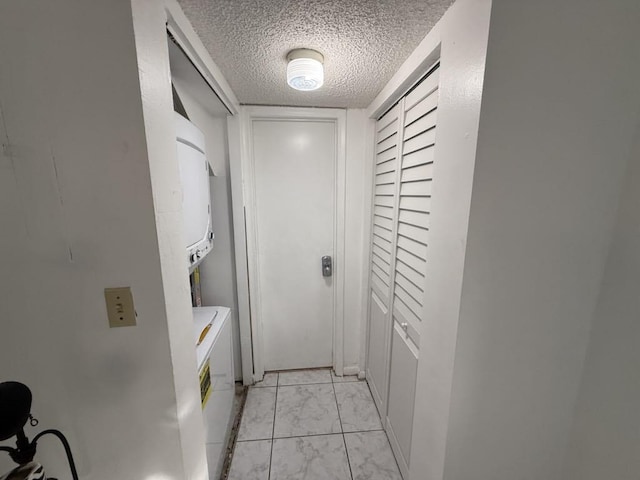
{"points": [[410, 302], [376, 260], [385, 190], [415, 174], [385, 178], [416, 233], [418, 157], [389, 117], [416, 189], [382, 234], [383, 201], [423, 140], [382, 253], [418, 204], [421, 109], [409, 272], [417, 219], [384, 276], [388, 166], [411, 246], [412, 289], [386, 156], [385, 223], [390, 142], [417, 263], [422, 124], [382, 244], [386, 212], [422, 90], [387, 131]]}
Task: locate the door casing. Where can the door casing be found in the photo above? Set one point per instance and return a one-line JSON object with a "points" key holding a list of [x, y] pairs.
{"points": [[248, 115]]}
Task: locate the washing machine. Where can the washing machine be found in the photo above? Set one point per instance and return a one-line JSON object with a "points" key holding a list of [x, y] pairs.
{"points": [[214, 350]]}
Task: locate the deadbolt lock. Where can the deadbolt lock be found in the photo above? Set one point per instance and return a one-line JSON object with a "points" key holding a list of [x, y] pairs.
{"points": [[327, 268]]}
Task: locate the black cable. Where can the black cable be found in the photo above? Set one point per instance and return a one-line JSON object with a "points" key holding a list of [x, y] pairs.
{"points": [[67, 448]]}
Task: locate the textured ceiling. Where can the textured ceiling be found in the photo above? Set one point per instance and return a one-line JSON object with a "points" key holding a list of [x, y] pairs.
{"points": [[363, 43]]}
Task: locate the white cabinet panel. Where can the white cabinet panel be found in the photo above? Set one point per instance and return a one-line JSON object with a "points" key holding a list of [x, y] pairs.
{"points": [[378, 342], [402, 391], [215, 360]]}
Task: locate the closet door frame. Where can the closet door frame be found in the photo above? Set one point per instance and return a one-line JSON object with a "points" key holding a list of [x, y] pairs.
{"points": [[406, 136]]}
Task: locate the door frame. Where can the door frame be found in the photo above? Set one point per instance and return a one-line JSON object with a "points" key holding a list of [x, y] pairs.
{"points": [[248, 115]]}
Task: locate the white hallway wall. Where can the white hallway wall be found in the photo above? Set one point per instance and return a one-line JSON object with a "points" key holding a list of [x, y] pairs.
{"points": [[559, 112], [605, 440], [77, 215]]}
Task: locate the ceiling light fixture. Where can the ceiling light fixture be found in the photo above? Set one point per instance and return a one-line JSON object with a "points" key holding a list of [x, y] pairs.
{"points": [[305, 70]]}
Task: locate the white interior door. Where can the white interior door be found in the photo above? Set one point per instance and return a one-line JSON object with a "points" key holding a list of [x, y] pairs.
{"points": [[294, 181]]}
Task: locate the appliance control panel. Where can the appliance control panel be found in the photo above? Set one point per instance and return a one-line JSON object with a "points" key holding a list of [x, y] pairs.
{"points": [[197, 254]]}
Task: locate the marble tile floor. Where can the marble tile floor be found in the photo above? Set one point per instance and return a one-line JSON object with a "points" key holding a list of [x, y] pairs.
{"points": [[311, 425]]}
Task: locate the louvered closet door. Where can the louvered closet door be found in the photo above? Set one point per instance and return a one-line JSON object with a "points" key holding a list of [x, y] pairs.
{"points": [[409, 262], [383, 234]]}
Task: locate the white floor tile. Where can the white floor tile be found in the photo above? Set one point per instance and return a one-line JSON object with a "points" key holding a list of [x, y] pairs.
{"points": [[310, 458], [304, 377], [251, 461], [306, 410], [357, 411], [371, 457], [257, 418]]}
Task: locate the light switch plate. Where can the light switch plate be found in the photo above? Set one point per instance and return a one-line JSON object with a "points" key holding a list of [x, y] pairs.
{"points": [[120, 309]]}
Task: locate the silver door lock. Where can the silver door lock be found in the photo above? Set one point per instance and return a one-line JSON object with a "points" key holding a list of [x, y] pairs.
{"points": [[327, 269]]}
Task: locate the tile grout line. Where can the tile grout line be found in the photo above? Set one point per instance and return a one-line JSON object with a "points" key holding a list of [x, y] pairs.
{"points": [[303, 384], [344, 441], [374, 404], [273, 427], [317, 435]]}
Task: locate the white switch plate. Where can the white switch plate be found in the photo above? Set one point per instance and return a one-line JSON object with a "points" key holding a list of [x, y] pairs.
{"points": [[120, 309]]}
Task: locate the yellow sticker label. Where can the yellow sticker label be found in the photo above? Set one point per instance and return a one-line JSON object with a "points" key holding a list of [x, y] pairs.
{"points": [[205, 384]]}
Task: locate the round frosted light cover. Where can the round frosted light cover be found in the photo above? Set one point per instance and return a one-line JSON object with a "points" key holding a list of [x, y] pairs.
{"points": [[305, 74]]}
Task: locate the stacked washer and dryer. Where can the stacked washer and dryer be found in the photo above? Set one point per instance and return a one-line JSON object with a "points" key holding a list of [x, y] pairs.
{"points": [[212, 331]]}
